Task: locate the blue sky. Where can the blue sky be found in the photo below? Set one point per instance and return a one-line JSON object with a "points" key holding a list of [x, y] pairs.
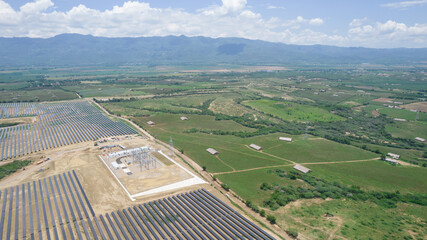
{"points": [[381, 23]]}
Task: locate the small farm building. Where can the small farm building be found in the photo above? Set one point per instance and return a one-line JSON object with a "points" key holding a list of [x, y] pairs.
{"points": [[184, 118], [287, 139], [212, 151], [256, 147], [393, 155], [391, 160], [399, 119], [302, 169], [420, 139], [150, 123]]}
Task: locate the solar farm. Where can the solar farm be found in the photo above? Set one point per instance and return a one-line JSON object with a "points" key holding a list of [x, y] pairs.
{"points": [[120, 186], [58, 207], [57, 124]]}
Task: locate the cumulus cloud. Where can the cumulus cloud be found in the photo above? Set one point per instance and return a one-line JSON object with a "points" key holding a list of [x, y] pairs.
{"points": [[390, 33], [357, 22], [233, 18], [405, 4]]}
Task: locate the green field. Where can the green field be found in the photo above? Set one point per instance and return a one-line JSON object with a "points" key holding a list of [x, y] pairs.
{"points": [[409, 130], [403, 113], [375, 175], [36, 95], [312, 150], [354, 220], [293, 111]]}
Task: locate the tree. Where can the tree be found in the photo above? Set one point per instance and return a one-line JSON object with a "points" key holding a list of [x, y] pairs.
{"points": [[271, 219]]}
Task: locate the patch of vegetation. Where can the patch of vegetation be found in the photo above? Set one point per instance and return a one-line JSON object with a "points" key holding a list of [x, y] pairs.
{"points": [[293, 111], [319, 188], [9, 168]]}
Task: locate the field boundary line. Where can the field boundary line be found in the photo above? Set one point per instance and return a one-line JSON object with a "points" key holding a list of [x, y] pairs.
{"points": [[253, 169], [349, 161], [271, 155], [225, 163]]}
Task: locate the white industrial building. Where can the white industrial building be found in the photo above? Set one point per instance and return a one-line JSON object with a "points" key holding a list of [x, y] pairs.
{"points": [[287, 139], [256, 147]]}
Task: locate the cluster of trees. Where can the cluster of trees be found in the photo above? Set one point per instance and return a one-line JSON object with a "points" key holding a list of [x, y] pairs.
{"points": [[319, 188]]}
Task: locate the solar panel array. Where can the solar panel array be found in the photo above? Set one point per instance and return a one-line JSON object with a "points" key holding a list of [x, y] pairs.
{"points": [[59, 124], [54, 207], [58, 208]]}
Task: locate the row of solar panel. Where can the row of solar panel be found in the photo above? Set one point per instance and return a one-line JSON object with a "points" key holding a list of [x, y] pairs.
{"points": [[41, 208], [193, 215], [57, 207], [71, 123], [12, 110]]}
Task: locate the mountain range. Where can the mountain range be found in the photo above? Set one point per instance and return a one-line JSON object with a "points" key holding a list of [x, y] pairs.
{"points": [[83, 50]]}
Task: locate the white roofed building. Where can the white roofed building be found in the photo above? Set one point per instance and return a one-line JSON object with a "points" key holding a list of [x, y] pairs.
{"points": [[212, 151], [287, 139], [256, 147], [184, 118], [420, 139], [391, 160], [302, 169], [393, 155]]}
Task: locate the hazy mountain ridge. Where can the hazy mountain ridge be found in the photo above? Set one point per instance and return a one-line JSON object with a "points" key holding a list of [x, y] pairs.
{"points": [[75, 49]]}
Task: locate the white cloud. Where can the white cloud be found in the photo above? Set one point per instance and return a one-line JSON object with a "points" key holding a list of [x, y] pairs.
{"points": [[390, 34], [357, 22], [275, 7], [316, 21], [405, 4], [231, 19], [35, 7]]}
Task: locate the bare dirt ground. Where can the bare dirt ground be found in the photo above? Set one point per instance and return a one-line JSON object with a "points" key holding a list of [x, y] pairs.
{"points": [[104, 192], [415, 106], [383, 100], [20, 120]]}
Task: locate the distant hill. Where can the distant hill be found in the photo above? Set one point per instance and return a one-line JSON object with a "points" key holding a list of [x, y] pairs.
{"points": [[77, 50]]}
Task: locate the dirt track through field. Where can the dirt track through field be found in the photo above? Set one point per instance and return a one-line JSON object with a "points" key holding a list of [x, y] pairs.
{"points": [[271, 155], [285, 165]]}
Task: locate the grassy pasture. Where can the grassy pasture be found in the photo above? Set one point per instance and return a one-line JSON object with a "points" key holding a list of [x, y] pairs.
{"points": [[359, 220], [402, 113], [407, 129], [41, 94], [293, 111], [311, 150], [173, 123], [375, 175], [247, 184]]}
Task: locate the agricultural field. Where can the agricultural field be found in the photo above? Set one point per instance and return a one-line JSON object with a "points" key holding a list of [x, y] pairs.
{"points": [[293, 111], [340, 219], [409, 130]]}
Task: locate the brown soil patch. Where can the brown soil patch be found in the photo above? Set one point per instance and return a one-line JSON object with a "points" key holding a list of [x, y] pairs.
{"points": [[375, 113], [415, 106], [20, 120]]}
